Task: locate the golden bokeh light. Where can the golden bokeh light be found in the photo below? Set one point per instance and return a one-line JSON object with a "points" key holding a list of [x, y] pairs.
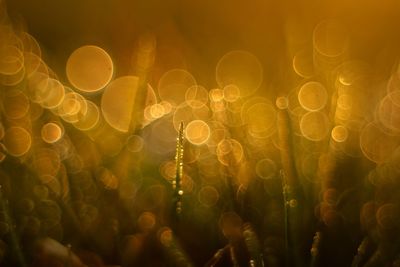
{"points": [[90, 119], [178, 133], [197, 132], [15, 104], [196, 96], [330, 38], [266, 169], [242, 69], [52, 132], [313, 96], [134, 143], [117, 102], [314, 125], [46, 163], [376, 144], [146, 221], [173, 85], [49, 93], [282, 102], [185, 113], [89, 68], [389, 111], [231, 93], [303, 64], [17, 140], [260, 118], [216, 94], [208, 196], [229, 152], [107, 178], [339, 133], [157, 111], [12, 60]]}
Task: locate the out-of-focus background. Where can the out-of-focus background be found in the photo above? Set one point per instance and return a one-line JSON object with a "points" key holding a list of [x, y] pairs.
{"points": [[291, 133]]}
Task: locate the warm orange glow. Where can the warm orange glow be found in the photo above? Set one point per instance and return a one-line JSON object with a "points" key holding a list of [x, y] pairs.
{"points": [[89, 68]]}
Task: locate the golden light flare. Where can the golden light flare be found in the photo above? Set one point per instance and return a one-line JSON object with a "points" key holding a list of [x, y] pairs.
{"points": [[339, 133], [216, 94], [90, 119], [17, 140], [229, 152], [242, 69], [197, 132], [46, 163], [49, 93], [266, 168], [231, 93], [291, 131], [117, 102], [196, 96], [15, 104], [330, 38], [12, 60], [388, 111], [52, 132], [314, 125], [146, 221], [260, 118], [376, 144], [135, 143], [313, 96], [184, 113], [89, 68], [208, 196], [173, 85], [303, 63]]}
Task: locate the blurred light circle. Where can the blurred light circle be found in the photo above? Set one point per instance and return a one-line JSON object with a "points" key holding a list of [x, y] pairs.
{"points": [[266, 168], [339, 133], [89, 68], [208, 196], [314, 126], [90, 119], [118, 100], [389, 111], [282, 102], [185, 113], [313, 96], [229, 152], [107, 178], [196, 96], [50, 93], [261, 119], [173, 85], [242, 69], [197, 132], [157, 111], [146, 221], [30, 44], [17, 141], [15, 104], [135, 143], [376, 144], [231, 93], [387, 216], [230, 224], [46, 163], [51, 132], [330, 38], [11, 60], [216, 94], [303, 64]]}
